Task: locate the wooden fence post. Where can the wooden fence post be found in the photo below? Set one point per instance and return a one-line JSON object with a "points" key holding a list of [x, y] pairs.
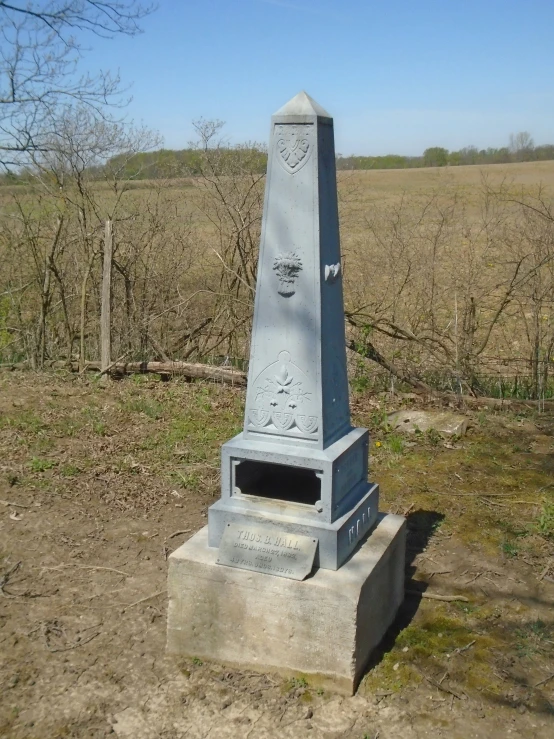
{"points": [[105, 311]]}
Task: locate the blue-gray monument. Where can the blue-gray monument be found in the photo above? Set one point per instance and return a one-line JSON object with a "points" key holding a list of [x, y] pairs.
{"points": [[298, 465], [295, 498]]}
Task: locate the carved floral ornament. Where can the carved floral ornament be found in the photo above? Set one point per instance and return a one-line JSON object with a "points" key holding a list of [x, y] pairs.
{"points": [[282, 401], [287, 266], [293, 146]]}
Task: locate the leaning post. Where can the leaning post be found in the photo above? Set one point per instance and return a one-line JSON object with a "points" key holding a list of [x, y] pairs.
{"points": [[105, 310]]}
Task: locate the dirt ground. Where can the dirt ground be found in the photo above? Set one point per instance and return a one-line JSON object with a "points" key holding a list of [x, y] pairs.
{"points": [[98, 485]]}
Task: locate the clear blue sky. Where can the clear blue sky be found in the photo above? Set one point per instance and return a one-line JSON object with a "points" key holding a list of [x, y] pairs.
{"points": [[397, 75]]}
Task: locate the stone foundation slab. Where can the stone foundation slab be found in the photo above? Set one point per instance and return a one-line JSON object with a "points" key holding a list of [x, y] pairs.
{"points": [[324, 628]]}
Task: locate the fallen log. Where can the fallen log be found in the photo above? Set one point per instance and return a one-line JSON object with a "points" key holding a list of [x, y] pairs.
{"points": [[186, 369], [426, 392], [237, 377], [481, 401]]}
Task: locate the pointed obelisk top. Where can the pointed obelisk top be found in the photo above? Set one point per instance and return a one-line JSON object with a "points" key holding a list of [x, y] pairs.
{"points": [[297, 390], [302, 104]]}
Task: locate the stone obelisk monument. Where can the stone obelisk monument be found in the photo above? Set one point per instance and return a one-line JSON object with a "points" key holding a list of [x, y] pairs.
{"points": [[295, 498], [298, 389], [299, 466]]}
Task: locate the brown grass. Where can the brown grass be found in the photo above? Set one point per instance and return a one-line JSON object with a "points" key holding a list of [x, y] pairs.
{"points": [[430, 256]]}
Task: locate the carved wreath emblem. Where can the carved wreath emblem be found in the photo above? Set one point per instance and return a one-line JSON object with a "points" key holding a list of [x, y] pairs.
{"points": [[287, 266], [293, 146]]}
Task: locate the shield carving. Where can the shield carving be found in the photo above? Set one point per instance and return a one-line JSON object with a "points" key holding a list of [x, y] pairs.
{"points": [[307, 424], [293, 146], [259, 417], [282, 421]]}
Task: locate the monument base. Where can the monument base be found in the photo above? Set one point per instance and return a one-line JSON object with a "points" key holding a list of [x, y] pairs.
{"points": [[281, 485], [324, 628]]}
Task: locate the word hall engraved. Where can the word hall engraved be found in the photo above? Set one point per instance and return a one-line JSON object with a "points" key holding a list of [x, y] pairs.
{"points": [[264, 550], [361, 526]]}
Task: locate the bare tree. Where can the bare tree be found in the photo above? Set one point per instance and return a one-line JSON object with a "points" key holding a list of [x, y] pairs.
{"points": [[231, 198], [39, 67], [58, 224], [521, 144], [461, 290]]}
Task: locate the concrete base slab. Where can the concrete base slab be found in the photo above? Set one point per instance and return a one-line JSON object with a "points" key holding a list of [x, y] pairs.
{"points": [[324, 627]]}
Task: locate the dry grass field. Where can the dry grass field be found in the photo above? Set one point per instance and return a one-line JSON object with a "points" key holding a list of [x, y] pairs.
{"points": [[448, 272], [393, 181]]}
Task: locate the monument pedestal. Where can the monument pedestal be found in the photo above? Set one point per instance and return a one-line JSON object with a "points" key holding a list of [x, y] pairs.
{"points": [[324, 627], [321, 493], [295, 497]]}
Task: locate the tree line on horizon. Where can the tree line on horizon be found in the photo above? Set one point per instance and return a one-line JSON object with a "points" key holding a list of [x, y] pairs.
{"points": [[177, 163], [521, 148]]}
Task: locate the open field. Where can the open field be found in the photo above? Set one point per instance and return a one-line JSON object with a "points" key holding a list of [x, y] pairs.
{"points": [[448, 272], [393, 181], [98, 484]]}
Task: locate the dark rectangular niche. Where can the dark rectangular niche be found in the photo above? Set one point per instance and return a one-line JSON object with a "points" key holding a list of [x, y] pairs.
{"points": [[277, 481]]}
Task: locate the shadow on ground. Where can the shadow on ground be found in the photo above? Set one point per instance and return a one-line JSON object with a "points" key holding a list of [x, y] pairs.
{"points": [[421, 525]]}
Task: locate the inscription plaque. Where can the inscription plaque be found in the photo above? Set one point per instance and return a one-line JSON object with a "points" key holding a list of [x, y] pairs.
{"points": [[263, 549]]}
